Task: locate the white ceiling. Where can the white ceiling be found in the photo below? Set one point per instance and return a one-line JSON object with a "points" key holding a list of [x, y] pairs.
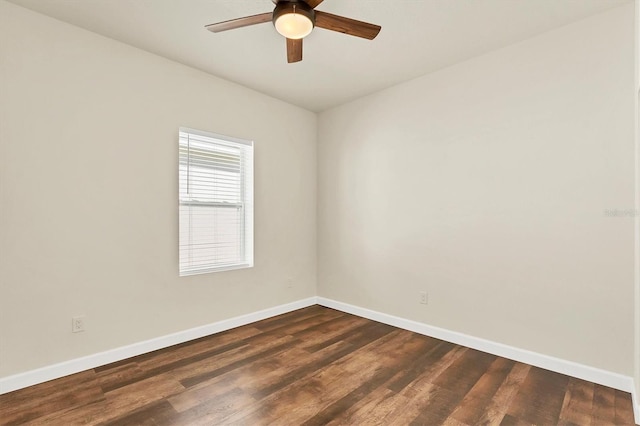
{"points": [[417, 37]]}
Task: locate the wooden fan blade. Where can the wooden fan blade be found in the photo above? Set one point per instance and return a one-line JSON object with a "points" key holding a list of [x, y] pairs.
{"points": [[294, 50], [240, 22], [313, 3], [346, 25]]}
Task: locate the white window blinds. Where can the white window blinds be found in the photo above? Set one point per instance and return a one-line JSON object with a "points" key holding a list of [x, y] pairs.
{"points": [[216, 202]]}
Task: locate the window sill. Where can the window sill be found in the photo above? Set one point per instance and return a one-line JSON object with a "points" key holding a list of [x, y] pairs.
{"points": [[217, 269]]}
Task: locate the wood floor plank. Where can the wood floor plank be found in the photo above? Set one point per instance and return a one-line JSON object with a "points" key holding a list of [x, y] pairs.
{"points": [[604, 405], [316, 366], [474, 405], [450, 421], [89, 414], [423, 364], [302, 399], [292, 328], [388, 360], [421, 390], [345, 335], [424, 381], [318, 387], [58, 395], [190, 348], [211, 367], [495, 409], [317, 394], [139, 394], [316, 337], [540, 398], [118, 403], [436, 408], [154, 414], [146, 366], [405, 408], [370, 410], [578, 403], [360, 338], [119, 376], [292, 317], [450, 387], [436, 350], [301, 364], [251, 377], [197, 348], [624, 409], [509, 420], [465, 371], [217, 409], [202, 403]]}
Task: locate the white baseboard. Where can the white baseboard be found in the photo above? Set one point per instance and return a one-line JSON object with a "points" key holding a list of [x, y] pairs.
{"points": [[44, 374], [580, 371], [636, 405]]}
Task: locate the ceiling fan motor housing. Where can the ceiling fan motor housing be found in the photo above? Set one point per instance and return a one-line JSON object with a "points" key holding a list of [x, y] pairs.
{"points": [[284, 7]]}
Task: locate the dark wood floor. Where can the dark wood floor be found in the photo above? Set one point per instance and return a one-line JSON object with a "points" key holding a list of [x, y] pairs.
{"points": [[317, 366]]}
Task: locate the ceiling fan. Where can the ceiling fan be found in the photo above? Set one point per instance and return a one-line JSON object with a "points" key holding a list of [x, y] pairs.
{"points": [[295, 19]]}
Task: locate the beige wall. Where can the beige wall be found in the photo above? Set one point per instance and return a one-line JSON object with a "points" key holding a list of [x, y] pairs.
{"points": [[486, 184], [88, 194]]}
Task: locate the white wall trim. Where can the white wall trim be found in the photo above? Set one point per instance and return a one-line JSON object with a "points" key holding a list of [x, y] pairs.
{"points": [[580, 371], [40, 375], [636, 405]]}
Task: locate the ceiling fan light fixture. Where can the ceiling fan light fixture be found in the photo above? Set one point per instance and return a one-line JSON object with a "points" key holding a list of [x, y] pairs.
{"points": [[293, 20], [294, 26]]}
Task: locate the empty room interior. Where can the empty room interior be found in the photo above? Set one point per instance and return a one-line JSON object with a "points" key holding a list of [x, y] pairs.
{"points": [[226, 212]]}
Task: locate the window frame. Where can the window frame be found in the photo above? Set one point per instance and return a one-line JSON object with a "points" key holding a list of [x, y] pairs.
{"points": [[246, 203]]}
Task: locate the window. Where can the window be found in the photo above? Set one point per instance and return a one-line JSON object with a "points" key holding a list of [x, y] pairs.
{"points": [[216, 202]]}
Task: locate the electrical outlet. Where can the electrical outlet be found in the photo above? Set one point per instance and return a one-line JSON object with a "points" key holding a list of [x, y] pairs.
{"points": [[424, 297], [77, 324], [290, 282]]}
